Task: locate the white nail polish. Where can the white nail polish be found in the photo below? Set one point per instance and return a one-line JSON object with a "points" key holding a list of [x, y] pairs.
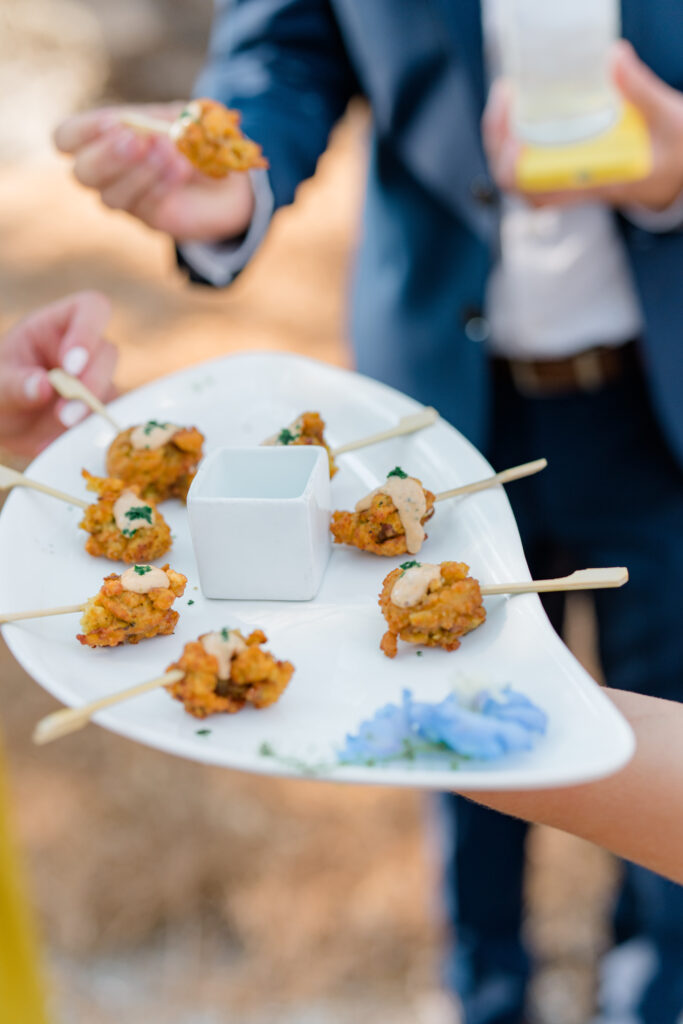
{"points": [[32, 385], [72, 412], [75, 360]]}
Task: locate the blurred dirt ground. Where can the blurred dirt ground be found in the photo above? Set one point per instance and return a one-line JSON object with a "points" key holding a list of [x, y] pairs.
{"points": [[169, 892]]}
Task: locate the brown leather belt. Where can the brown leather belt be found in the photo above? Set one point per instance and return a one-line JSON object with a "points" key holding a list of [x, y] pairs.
{"points": [[588, 371]]}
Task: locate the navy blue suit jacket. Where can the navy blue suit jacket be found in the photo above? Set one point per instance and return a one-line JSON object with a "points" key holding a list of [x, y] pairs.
{"points": [[430, 214]]}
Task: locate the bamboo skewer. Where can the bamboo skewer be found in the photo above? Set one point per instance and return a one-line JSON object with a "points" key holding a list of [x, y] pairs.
{"points": [[42, 613], [68, 720], [71, 387], [145, 122], [12, 478], [504, 477], [61, 723], [583, 579], [406, 425]]}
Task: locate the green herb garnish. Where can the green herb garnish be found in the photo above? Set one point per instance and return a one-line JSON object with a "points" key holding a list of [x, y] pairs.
{"points": [[266, 750], [203, 732], [151, 425], [409, 565], [142, 570], [225, 633], [137, 512], [419, 653], [190, 601], [140, 512], [286, 436], [397, 471]]}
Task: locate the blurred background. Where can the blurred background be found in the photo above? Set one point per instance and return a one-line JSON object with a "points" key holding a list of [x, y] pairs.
{"points": [[166, 891]]}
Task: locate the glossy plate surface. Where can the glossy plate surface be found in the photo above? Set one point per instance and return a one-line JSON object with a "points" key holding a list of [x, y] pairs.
{"points": [[341, 675]]}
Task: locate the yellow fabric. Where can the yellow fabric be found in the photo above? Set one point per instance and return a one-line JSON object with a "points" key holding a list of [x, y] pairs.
{"points": [[623, 153], [21, 994]]}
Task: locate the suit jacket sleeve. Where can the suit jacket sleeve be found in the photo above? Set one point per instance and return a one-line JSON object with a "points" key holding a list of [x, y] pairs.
{"points": [[282, 63]]}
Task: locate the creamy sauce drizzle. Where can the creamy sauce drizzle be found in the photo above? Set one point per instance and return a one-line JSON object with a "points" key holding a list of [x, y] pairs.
{"points": [[152, 434], [223, 650], [411, 505], [142, 583], [410, 588], [123, 504], [294, 428]]}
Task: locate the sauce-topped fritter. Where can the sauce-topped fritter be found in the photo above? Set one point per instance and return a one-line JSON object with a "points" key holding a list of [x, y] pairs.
{"points": [[209, 135], [132, 607], [160, 459], [123, 526], [308, 428], [388, 521], [433, 605], [224, 670]]}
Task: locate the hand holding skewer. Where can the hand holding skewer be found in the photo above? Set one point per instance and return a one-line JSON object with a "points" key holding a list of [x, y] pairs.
{"points": [[73, 388]]}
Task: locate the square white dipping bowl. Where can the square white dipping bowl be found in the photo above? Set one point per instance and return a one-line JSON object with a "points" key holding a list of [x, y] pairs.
{"points": [[260, 522]]}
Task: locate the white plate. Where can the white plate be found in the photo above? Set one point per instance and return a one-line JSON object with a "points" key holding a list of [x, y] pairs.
{"points": [[341, 676]]}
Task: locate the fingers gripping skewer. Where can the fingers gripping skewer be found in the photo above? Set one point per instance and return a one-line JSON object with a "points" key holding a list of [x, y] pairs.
{"points": [[61, 723], [506, 476], [583, 579], [406, 425], [68, 609], [11, 478], [71, 387]]}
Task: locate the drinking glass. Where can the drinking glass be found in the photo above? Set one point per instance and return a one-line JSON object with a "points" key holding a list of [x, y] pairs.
{"points": [[556, 54]]}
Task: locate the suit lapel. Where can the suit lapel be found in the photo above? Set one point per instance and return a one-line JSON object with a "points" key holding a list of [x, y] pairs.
{"points": [[441, 141]]}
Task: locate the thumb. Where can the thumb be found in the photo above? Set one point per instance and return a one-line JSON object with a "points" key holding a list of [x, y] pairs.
{"points": [[639, 84]]}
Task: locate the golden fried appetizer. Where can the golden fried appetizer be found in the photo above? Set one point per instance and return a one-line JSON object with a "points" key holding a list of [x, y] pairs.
{"points": [[306, 429], [132, 607], [160, 459], [209, 135], [123, 526], [388, 521], [224, 671], [432, 605]]}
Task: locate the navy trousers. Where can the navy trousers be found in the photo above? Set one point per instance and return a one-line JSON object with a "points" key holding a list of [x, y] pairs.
{"points": [[612, 495]]}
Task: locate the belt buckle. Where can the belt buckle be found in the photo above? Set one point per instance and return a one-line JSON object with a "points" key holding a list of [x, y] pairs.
{"points": [[586, 372], [590, 370], [525, 378]]}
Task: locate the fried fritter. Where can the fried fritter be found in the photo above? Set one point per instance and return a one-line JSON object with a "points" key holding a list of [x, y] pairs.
{"points": [[144, 536], [306, 429], [445, 604], [159, 472], [380, 528], [209, 135], [118, 615], [254, 676]]}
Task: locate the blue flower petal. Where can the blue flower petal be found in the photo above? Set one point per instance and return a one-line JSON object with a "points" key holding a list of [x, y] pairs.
{"points": [[469, 733], [517, 708], [381, 737], [492, 728]]}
